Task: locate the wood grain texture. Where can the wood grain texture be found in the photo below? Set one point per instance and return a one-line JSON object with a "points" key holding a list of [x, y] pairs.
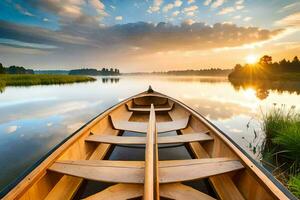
{"points": [[110, 139], [151, 181], [130, 191], [141, 127], [133, 171]]}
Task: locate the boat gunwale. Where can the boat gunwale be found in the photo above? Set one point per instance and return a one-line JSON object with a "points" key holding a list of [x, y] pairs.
{"points": [[242, 155], [13, 190]]}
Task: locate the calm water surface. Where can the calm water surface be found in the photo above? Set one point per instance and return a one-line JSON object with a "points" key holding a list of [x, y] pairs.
{"points": [[35, 119]]}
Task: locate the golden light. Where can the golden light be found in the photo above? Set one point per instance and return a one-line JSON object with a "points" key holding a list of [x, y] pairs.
{"points": [[252, 59]]}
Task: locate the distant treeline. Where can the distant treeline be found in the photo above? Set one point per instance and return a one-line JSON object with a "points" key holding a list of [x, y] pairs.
{"points": [[15, 70], [265, 69], [190, 72], [56, 72], [200, 72], [95, 72]]}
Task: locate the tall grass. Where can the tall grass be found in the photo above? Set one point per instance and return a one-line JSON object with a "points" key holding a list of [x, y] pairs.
{"points": [[2, 86], [294, 185], [40, 79], [282, 144]]}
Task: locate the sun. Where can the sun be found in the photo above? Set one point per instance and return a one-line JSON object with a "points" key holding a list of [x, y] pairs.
{"points": [[252, 59]]}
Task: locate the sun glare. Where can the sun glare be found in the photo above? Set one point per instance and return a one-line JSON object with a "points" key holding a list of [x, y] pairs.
{"points": [[251, 59]]}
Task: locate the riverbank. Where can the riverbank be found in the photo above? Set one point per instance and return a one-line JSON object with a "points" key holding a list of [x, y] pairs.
{"points": [[281, 149], [40, 79]]}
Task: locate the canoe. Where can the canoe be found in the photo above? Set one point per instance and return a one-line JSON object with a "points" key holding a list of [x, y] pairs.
{"points": [[80, 165]]}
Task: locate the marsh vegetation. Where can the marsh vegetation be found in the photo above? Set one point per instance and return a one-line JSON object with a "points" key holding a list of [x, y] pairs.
{"points": [[281, 148], [40, 79]]}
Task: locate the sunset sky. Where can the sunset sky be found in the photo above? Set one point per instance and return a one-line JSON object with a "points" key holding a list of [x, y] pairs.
{"points": [[145, 35]]}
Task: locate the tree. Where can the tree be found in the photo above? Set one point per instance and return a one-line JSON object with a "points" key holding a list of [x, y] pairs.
{"points": [[265, 60], [296, 60], [2, 69], [237, 67]]}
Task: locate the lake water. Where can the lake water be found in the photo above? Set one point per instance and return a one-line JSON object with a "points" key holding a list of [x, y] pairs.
{"points": [[35, 119]]}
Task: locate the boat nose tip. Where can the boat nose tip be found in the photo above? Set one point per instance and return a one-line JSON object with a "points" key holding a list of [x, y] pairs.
{"points": [[150, 90]]}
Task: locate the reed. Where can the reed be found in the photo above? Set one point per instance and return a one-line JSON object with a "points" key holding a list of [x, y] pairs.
{"points": [[294, 185], [40, 79], [282, 144]]}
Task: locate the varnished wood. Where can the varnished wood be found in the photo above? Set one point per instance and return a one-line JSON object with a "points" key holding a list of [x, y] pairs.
{"points": [[133, 171], [151, 181], [109, 139], [181, 192], [130, 191], [138, 109], [68, 185], [141, 127], [119, 191]]}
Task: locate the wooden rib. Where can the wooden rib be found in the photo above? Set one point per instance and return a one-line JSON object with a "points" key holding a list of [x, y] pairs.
{"points": [[141, 127], [119, 192], [182, 192], [129, 191], [125, 173], [148, 109], [111, 139], [221, 182], [216, 181], [133, 171], [68, 185], [151, 182]]}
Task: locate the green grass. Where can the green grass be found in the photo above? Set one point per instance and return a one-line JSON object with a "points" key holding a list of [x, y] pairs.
{"points": [[40, 79], [294, 185], [282, 129], [282, 144]]}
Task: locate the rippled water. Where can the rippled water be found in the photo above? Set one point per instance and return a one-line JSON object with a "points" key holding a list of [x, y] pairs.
{"points": [[34, 119]]}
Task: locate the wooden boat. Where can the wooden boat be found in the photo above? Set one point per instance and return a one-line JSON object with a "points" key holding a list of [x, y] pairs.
{"points": [[84, 158]]}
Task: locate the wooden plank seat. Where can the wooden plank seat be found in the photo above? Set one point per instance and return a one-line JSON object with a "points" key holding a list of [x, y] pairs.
{"points": [[147, 109], [130, 191], [133, 171], [111, 139], [141, 127]]}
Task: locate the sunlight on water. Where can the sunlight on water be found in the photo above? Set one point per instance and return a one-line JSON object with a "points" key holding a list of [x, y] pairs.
{"points": [[35, 119]]}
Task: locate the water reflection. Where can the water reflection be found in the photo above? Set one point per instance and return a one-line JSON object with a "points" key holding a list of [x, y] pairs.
{"points": [[263, 87], [110, 80], [34, 119]]}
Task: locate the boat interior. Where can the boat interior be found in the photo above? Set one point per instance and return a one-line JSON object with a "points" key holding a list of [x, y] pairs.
{"points": [[147, 147]]}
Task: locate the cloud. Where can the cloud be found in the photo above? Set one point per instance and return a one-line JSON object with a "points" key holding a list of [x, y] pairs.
{"points": [[38, 36], [23, 10], [175, 13], [11, 129], [207, 2], [292, 20], [289, 7], [177, 3], [155, 6], [119, 18], [190, 1], [71, 10], [237, 17], [246, 19], [226, 10], [239, 2], [190, 9], [217, 3], [168, 7], [146, 38], [239, 7]]}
